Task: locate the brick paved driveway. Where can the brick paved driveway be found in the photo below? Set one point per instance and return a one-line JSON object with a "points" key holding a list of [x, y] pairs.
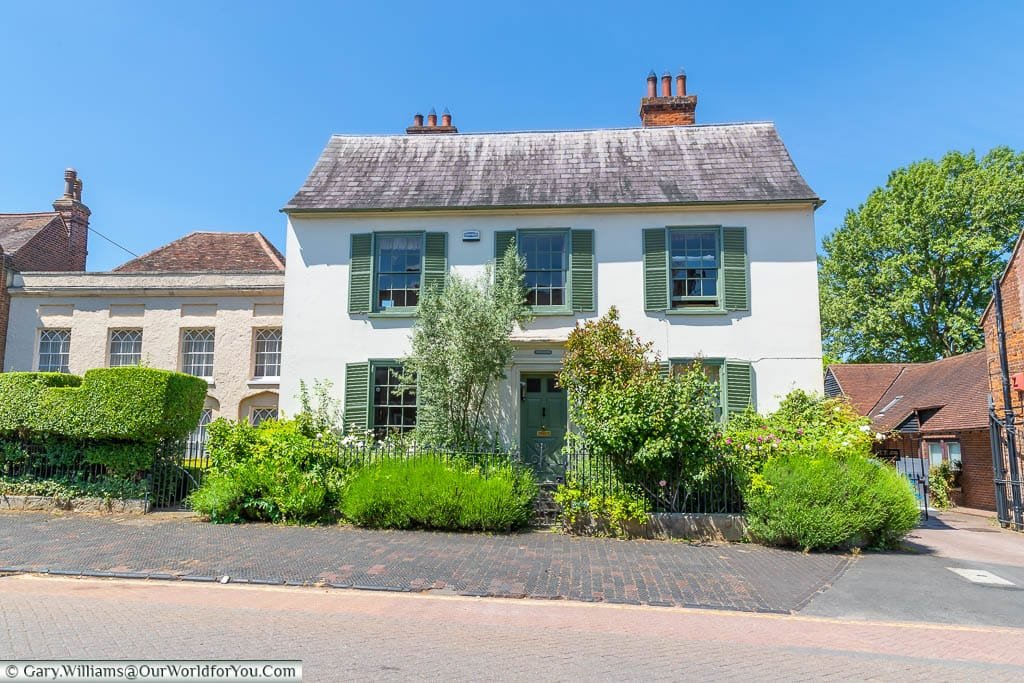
{"points": [[354, 635], [539, 564]]}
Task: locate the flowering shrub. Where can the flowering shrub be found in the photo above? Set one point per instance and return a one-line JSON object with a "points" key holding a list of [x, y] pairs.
{"points": [[651, 426], [804, 424], [611, 508]]}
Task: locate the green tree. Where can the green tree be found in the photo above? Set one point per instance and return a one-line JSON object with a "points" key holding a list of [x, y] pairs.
{"points": [[906, 277], [656, 429], [461, 344]]}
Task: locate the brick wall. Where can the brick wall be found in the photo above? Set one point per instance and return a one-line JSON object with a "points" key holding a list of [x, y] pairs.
{"points": [[50, 249], [977, 478]]}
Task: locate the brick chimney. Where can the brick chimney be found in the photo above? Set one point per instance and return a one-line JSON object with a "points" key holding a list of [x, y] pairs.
{"points": [[668, 109], [417, 127], [76, 217]]}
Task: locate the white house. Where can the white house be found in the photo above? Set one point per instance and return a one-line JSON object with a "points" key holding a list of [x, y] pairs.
{"points": [[701, 235]]}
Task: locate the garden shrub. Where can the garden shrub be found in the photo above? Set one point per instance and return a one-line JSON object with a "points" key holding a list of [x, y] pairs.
{"points": [[68, 488], [611, 508], [941, 479], [653, 427], [112, 404], [427, 492], [275, 471], [817, 502]]}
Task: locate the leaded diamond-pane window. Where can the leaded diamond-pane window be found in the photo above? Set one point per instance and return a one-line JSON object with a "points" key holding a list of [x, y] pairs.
{"points": [[399, 259], [197, 353], [259, 415], [547, 262], [125, 347], [54, 350], [394, 404], [268, 353], [694, 264]]}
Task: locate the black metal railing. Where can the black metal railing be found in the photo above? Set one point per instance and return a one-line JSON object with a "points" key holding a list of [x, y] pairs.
{"points": [[715, 489], [62, 470]]}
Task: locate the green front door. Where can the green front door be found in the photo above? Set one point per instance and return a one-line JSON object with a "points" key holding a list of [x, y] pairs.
{"points": [[543, 417]]}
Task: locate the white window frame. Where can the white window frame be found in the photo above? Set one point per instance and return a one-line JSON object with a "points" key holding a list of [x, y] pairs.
{"points": [[120, 355], [62, 355], [189, 363], [264, 358]]}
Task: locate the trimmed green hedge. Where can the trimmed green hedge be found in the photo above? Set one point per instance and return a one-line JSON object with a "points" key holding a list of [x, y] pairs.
{"points": [[121, 404]]}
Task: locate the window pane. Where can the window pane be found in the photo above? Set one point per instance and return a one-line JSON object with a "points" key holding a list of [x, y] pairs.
{"points": [[125, 347], [935, 453], [694, 268], [197, 353], [195, 447], [398, 270], [54, 350], [953, 449], [394, 404], [546, 259], [268, 353], [259, 415]]}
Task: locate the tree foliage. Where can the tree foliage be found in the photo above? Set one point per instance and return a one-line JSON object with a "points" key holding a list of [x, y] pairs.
{"points": [[657, 430], [906, 277], [461, 344]]}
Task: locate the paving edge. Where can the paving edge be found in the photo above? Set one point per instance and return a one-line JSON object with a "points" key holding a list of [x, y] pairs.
{"points": [[95, 574]]}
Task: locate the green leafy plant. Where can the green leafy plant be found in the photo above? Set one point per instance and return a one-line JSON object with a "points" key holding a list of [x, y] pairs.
{"points": [[434, 492], [941, 479], [461, 344], [130, 404], [653, 427], [608, 510], [68, 488], [821, 502], [272, 472]]}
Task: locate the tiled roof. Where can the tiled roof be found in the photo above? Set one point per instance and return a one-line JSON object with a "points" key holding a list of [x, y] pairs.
{"points": [[610, 167], [864, 383], [220, 252], [949, 394], [16, 229]]}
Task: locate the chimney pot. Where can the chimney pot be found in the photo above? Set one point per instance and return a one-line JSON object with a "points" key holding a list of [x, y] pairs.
{"points": [[446, 118], [652, 84], [681, 84], [417, 120], [666, 84], [70, 175], [432, 119], [78, 189]]}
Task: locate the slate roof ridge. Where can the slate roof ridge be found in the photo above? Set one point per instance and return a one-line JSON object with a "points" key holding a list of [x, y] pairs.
{"points": [[29, 213], [651, 129]]}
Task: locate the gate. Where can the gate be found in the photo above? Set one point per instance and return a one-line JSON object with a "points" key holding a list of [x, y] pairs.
{"points": [[1005, 433], [179, 467], [1007, 466]]}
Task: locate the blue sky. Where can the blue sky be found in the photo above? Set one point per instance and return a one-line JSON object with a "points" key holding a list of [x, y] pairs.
{"points": [[208, 115]]}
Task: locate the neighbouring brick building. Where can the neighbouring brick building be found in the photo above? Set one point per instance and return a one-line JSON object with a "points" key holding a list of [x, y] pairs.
{"points": [[45, 241], [933, 411], [1011, 286]]}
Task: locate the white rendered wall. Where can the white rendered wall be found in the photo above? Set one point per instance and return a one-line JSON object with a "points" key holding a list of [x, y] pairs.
{"points": [[780, 335], [162, 317]]}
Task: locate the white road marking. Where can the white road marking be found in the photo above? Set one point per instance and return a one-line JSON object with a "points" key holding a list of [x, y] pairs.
{"points": [[981, 576]]}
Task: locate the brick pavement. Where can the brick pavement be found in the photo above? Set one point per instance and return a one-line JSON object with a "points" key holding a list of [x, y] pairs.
{"points": [[536, 564], [353, 635]]}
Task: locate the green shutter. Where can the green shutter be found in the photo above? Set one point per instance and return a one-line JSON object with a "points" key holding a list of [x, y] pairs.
{"points": [[665, 368], [581, 270], [738, 386], [502, 238], [655, 270], [735, 275], [357, 395], [435, 260], [360, 273]]}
